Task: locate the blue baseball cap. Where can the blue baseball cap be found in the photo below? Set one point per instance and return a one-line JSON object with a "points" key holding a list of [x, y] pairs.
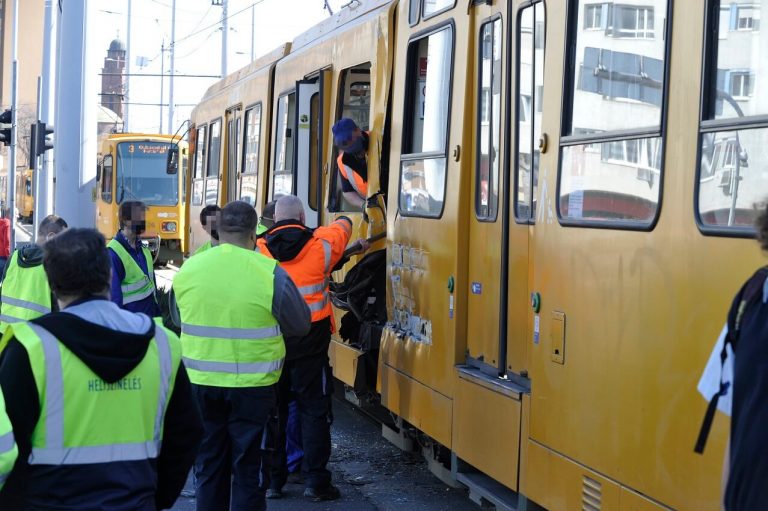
{"points": [[343, 130]]}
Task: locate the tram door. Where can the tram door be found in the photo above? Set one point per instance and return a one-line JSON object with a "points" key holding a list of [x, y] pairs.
{"points": [[233, 152], [308, 147], [489, 198]]}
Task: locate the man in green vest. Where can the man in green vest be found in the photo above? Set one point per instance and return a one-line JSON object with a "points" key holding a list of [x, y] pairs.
{"points": [[209, 219], [100, 403], [235, 306], [25, 293], [8, 450], [133, 274]]}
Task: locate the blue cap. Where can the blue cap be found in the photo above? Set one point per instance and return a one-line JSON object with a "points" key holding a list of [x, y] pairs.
{"points": [[343, 130]]}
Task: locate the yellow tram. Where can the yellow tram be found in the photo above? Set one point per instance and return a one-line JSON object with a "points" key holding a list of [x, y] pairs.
{"points": [[25, 201], [132, 166], [570, 187]]}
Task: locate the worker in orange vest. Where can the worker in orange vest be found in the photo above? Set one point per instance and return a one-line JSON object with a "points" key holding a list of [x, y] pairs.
{"points": [[353, 160], [308, 257]]}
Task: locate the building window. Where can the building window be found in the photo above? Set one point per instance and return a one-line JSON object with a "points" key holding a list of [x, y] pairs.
{"points": [[529, 89], [489, 122], [593, 17], [741, 85], [631, 21], [733, 166], [424, 162], [611, 149]]}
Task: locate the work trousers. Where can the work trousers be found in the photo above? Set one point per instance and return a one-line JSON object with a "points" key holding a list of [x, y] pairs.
{"points": [[308, 381], [231, 466]]}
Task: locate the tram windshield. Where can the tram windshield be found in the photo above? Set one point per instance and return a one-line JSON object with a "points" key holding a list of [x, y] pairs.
{"points": [[141, 174]]}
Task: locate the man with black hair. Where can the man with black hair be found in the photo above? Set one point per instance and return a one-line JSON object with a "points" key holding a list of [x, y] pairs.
{"points": [[236, 305], [133, 275], [98, 398], [209, 219], [267, 219], [25, 293]]}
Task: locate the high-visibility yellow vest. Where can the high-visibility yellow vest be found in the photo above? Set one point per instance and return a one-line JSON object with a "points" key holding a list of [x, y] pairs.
{"points": [[202, 248], [229, 337], [25, 293], [136, 285], [85, 420], [8, 450]]}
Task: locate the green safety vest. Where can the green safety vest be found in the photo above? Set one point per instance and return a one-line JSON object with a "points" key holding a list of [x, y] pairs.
{"points": [[229, 337], [202, 248], [8, 450], [25, 293], [136, 285], [85, 420]]}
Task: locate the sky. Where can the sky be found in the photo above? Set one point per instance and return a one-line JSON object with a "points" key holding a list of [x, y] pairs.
{"points": [[198, 47]]}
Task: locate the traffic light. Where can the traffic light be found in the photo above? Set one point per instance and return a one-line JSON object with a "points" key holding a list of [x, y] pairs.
{"points": [[5, 127], [42, 142]]}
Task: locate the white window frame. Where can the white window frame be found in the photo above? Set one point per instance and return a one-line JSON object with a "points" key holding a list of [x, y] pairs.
{"points": [[596, 17]]}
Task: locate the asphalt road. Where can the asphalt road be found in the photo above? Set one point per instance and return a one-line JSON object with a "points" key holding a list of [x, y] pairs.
{"points": [[372, 475]]}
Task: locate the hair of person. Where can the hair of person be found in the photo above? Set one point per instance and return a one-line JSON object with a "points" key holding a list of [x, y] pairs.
{"points": [[761, 225], [269, 209], [77, 263], [127, 208], [238, 217], [288, 207], [209, 210], [52, 224]]}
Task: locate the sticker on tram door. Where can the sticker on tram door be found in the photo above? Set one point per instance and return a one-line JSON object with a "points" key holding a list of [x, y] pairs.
{"points": [[536, 324], [477, 288]]}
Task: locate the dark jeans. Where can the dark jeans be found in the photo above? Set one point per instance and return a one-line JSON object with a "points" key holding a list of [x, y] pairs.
{"points": [[238, 424], [308, 381]]}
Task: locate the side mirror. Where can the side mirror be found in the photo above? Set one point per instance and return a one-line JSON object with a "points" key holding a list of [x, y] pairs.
{"points": [[172, 160]]}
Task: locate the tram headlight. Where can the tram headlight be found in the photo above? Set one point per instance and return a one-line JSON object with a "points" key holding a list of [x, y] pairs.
{"points": [[168, 226]]}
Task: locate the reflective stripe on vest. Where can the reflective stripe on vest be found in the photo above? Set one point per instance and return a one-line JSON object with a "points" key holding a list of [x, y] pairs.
{"points": [[353, 178], [136, 285], [25, 293], [8, 450], [55, 451], [229, 336]]}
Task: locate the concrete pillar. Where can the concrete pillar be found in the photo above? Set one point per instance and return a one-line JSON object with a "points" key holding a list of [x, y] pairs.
{"points": [[75, 116]]}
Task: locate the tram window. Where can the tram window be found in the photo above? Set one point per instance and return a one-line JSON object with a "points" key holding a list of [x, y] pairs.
{"points": [[489, 122], [733, 169], [611, 149], [249, 179], [283, 168], [200, 152], [529, 87], [314, 150], [424, 162], [432, 7], [413, 12], [106, 179], [354, 101], [214, 151]]}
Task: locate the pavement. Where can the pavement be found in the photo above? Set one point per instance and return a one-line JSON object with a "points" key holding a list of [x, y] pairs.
{"points": [[372, 474]]}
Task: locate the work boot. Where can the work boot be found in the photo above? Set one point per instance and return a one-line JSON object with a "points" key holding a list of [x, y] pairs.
{"points": [[330, 492], [274, 493]]}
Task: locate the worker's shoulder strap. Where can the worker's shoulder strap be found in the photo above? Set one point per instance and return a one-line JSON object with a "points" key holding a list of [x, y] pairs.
{"points": [[749, 294]]}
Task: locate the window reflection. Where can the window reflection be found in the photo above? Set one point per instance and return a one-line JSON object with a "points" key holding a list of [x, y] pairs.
{"points": [[488, 158], [433, 6], [283, 175]]}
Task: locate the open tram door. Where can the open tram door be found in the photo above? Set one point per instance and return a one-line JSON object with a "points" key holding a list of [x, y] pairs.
{"points": [[233, 153], [311, 120]]}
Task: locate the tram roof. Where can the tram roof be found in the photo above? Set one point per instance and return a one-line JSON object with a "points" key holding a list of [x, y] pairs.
{"points": [[355, 10]]}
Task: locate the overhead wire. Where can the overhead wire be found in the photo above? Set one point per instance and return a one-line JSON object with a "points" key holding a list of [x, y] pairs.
{"points": [[257, 2]]}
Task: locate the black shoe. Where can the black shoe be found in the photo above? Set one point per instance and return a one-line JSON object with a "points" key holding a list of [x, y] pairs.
{"points": [[330, 492], [272, 494]]}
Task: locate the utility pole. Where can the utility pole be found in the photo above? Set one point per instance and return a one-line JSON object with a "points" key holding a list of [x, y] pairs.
{"points": [[36, 195], [162, 82], [224, 34], [171, 106], [14, 126], [253, 32], [128, 64], [75, 115], [47, 95]]}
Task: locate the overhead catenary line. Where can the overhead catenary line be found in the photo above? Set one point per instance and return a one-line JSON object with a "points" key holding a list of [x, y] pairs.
{"points": [[218, 22]]}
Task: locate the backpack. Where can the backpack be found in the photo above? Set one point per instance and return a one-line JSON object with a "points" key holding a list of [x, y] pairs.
{"points": [[748, 294]]}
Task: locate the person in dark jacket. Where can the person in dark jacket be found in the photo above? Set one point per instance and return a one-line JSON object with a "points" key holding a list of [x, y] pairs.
{"points": [[25, 293], [131, 261], [106, 420]]}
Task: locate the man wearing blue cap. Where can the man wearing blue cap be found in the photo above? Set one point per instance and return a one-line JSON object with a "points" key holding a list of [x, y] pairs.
{"points": [[353, 161]]}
